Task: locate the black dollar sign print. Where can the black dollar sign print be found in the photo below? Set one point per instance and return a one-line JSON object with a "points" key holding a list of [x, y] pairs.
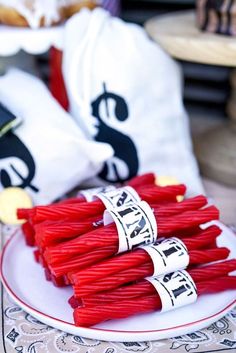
{"points": [[124, 164], [12, 146]]}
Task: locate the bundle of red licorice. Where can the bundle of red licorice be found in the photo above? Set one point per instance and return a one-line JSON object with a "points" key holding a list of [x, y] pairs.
{"points": [[141, 244], [82, 197]]}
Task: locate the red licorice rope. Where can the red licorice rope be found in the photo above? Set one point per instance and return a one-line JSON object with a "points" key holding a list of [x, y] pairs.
{"points": [[29, 233], [185, 220], [136, 182], [107, 235], [197, 240], [49, 233], [25, 213], [82, 261], [144, 287], [85, 210], [74, 303], [141, 180], [88, 316], [138, 257], [28, 213], [172, 209], [196, 257]]}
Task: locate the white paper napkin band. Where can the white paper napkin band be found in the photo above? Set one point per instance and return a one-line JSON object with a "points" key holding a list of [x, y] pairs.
{"points": [[92, 193], [168, 256], [175, 289], [119, 197], [136, 225]]}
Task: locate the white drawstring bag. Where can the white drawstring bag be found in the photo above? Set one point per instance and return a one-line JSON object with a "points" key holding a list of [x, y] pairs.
{"points": [[125, 90], [47, 154]]}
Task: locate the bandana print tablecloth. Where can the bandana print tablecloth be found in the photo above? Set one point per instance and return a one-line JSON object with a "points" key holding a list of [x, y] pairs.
{"points": [[21, 333]]}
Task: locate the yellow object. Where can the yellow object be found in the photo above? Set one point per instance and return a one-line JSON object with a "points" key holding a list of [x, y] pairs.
{"points": [[163, 180], [11, 199]]}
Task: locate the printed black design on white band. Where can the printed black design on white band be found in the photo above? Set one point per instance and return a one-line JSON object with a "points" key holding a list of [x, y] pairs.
{"points": [[92, 193], [168, 256], [119, 197], [136, 225], [175, 289]]}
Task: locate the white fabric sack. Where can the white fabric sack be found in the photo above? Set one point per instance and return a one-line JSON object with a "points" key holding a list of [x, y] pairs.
{"points": [[47, 154], [125, 90]]}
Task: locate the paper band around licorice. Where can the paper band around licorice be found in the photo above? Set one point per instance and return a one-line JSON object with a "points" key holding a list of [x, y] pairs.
{"points": [[92, 193], [119, 197], [175, 289], [168, 256], [136, 225]]}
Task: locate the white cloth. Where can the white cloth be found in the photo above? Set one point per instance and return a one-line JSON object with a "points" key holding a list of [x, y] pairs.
{"points": [[48, 154], [125, 90]]}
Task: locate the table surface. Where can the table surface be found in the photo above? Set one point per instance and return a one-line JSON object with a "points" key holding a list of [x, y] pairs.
{"points": [[178, 34], [21, 333]]}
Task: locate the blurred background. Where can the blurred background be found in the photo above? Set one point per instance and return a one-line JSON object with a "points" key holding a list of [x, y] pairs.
{"points": [[206, 87]]}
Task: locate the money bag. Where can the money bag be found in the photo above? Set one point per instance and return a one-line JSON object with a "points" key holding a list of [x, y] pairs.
{"points": [[126, 91], [48, 154]]}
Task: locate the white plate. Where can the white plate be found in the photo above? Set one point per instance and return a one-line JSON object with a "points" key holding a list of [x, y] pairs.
{"points": [[24, 280], [32, 41]]}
